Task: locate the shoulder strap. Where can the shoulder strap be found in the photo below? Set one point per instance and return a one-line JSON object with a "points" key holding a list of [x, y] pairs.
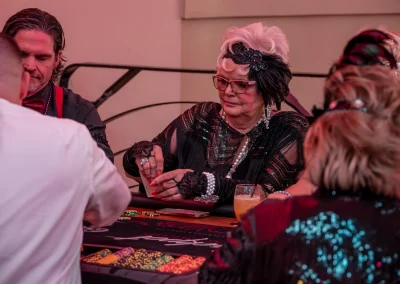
{"points": [[59, 101], [292, 101]]}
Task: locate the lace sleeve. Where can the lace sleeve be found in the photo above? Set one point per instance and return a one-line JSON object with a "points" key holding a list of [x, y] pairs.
{"points": [[167, 140], [282, 171], [168, 145], [286, 159], [279, 169], [279, 173]]}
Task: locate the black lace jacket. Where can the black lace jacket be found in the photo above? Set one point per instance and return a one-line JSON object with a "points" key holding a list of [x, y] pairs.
{"points": [[201, 140]]}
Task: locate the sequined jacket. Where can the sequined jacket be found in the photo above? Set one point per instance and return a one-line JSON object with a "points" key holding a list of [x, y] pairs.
{"points": [[206, 143], [312, 239], [82, 111]]}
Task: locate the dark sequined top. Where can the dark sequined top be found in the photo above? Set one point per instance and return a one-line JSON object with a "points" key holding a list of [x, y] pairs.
{"points": [[345, 238], [205, 142]]}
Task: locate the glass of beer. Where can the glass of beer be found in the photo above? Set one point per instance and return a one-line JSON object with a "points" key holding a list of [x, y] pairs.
{"points": [[246, 197]]}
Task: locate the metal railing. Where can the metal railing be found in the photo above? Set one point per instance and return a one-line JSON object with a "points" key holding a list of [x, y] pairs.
{"points": [[131, 72]]}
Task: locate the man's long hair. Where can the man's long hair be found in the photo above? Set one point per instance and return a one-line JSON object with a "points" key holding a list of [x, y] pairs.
{"points": [[36, 19]]}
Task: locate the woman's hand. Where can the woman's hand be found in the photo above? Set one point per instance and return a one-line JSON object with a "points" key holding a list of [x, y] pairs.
{"points": [[303, 186], [168, 189], [152, 166]]}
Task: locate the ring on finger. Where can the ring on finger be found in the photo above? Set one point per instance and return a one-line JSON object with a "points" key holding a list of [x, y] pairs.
{"points": [[144, 161]]}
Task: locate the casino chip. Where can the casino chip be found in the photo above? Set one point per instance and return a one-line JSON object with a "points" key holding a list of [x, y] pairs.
{"points": [[124, 218], [130, 213], [93, 229]]}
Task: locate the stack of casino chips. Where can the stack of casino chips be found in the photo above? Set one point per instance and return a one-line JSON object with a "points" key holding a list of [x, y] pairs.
{"points": [[127, 215], [130, 213], [139, 259], [158, 262], [182, 264], [94, 257], [109, 259], [145, 260]]}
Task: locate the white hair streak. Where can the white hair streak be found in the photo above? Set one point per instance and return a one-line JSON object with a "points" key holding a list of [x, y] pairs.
{"points": [[267, 40]]}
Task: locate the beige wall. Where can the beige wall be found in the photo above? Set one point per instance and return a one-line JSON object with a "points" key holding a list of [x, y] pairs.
{"points": [[259, 8], [317, 32], [131, 32]]}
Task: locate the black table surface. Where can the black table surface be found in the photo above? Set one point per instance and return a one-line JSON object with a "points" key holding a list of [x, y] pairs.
{"points": [[169, 237], [158, 235], [141, 200]]}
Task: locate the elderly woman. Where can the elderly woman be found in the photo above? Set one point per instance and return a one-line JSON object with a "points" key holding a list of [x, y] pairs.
{"points": [[212, 147], [370, 47], [348, 231]]}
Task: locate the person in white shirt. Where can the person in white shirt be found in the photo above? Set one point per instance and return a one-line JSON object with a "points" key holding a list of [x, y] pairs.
{"points": [[53, 175]]}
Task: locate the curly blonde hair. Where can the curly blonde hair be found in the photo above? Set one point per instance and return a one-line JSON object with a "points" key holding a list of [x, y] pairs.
{"points": [[377, 86], [392, 45], [267, 40], [354, 150]]}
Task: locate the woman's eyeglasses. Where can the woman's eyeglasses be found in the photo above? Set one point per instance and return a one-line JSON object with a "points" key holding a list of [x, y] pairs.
{"points": [[238, 86]]}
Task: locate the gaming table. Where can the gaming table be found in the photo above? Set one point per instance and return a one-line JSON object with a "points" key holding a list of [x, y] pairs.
{"points": [[168, 235]]}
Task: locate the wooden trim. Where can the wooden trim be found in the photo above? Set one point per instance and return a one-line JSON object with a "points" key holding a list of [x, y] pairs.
{"points": [[195, 9], [210, 220]]}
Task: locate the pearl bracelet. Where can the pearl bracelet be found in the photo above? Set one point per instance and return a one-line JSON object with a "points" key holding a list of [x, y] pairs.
{"points": [[210, 183], [209, 196], [282, 192]]}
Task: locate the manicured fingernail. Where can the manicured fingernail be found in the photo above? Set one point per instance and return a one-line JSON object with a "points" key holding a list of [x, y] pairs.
{"points": [[152, 183], [154, 193], [163, 199], [158, 174]]}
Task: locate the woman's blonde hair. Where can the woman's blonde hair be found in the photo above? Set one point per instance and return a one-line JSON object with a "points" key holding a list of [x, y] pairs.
{"points": [[393, 45], [355, 150], [376, 86], [267, 40], [352, 151]]}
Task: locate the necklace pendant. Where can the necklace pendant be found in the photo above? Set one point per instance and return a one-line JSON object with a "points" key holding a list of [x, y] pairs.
{"points": [[239, 158], [244, 150]]}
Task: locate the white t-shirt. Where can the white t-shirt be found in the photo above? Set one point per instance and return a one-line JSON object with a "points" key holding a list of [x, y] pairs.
{"points": [[51, 175]]}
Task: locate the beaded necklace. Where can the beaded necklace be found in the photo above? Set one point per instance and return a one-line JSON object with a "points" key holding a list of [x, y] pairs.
{"points": [[48, 101], [243, 151]]}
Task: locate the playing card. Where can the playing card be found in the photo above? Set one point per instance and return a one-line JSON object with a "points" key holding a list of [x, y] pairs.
{"points": [[146, 183]]}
